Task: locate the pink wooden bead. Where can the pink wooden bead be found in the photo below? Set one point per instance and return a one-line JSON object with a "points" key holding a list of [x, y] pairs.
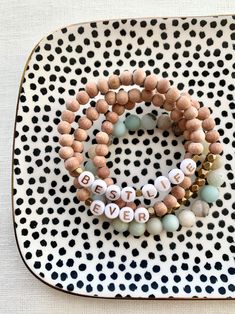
{"points": [[193, 125], [83, 97], [170, 201], [110, 97], [134, 95], [212, 136], [176, 115], [92, 114], [160, 209], [139, 76], [84, 123], [126, 78], [72, 104], [80, 135], [146, 95], [216, 148], [186, 183], [163, 85], [77, 184], [103, 86], [158, 100], [79, 157], [172, 94], [118, 109], [103, 172], [112, 117], [102, 106], [92, 89], [99, 161], [195, 148], [186, 145], [203, 113], [178, 192], [168, 106], [130, 105], [66, 152], [66, 140], [120, 202], [191, 113], [182, 124], [108, 181], [114, 81], [195, 104], [187, 155], [187, 135], [122, 97], [101, 150], [68, 116], [208, 124], [197, 136], [64, 127], [183, 102], [77, 146], [150, 82], [83, 194], [71, 163], [107, 127], [132, 205], [102, 138]]}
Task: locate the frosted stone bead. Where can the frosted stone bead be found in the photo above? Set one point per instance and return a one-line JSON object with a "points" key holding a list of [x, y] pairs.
{"points": [[113, 192], [209, 193], [188, 166], [154, 226], [218, 163], [86, 178], [200, 208], [128, 194], [136, 229], [132, 122], [99, 197], [111, 210], [99, 187], [126, 214], [176, 176], [91, 167], [119, 129], [170, 223], [164, 122], [187, 218], [216, 178], [149, 191], [149, 121], [162, 184], [141, 215], [97, 207], [91, 151], [119, 225]]}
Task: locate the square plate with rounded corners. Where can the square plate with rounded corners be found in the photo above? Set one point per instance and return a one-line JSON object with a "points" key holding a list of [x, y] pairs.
{"points": [[59, 241]]}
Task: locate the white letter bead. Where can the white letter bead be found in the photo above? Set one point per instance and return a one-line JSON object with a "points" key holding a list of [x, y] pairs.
{"points": [[86, 178], [128, 194], [141, 215], [99, 187], [113, 192], [126, 214], [97, 207], [176, 176], [162, 184], [188, 166], [149, 191], [112, 210]]}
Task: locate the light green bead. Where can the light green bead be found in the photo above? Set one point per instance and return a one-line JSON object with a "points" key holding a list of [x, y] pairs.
{"points": [[119, 225], [209, 193], [216, 178], [137, 229], [170, 223], [89, 166], [119, 129], [132, 122], [149, 121], [96, 197], [154, 226]]}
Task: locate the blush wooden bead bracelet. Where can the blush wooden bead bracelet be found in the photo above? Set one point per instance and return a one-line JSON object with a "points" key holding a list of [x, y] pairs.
{"points": [[187, 115]]}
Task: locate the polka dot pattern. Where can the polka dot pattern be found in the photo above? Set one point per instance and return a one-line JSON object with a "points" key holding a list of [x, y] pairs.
{"points": [[61, 242]]}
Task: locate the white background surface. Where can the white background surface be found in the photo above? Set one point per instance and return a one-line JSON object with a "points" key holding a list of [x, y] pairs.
{"points": [[22, 25]]}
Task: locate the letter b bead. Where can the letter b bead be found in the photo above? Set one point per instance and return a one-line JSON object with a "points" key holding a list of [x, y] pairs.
{"points": [[86, 178]]}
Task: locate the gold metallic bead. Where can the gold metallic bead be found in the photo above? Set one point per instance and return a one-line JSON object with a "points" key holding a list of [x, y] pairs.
{"points": [[169, 210], [182, 200], [207, 165], [138, 193], [177, 206], [88, 202], [200, 181], [110, 142], [202, 173], [188, 194], [196, 158], [78, 171], [151, 210], [211, 157], [194, 188]]}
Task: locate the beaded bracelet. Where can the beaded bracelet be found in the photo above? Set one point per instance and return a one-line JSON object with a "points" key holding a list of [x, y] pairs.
{"points": [[186, 121]]}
